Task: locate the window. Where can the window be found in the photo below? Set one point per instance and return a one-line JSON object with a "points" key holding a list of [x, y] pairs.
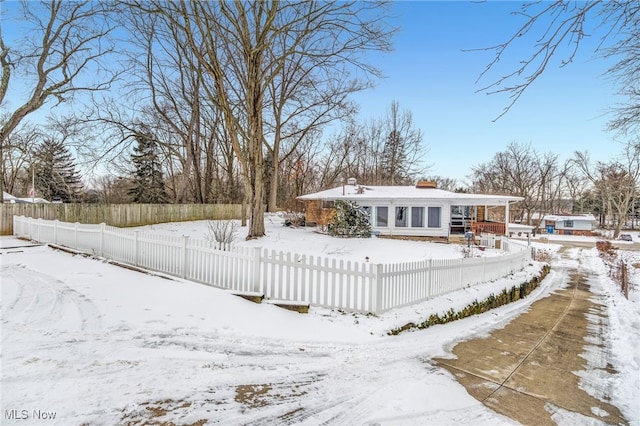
{"points": [[433, 217], [401, 216], [367, 211], [417, 217], [381, 216], [327, 204], [568, 224]]}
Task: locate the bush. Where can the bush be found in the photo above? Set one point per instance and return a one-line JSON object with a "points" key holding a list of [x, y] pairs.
{"points": [[294, 219], [221, 232], [349, 221]]}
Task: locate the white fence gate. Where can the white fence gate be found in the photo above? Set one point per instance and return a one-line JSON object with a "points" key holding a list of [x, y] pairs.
{"points": [[319, 281]]}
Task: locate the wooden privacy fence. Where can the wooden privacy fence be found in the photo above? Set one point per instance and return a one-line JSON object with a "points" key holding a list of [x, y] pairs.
{"points": [[120, 215], [318, 281]]}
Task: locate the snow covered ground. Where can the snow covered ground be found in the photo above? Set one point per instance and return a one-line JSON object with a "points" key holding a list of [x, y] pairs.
{"points": [[92, 343], [307, 241]]}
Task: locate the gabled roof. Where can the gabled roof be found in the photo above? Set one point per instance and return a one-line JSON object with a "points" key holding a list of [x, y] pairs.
{"points": [[381, 193]]}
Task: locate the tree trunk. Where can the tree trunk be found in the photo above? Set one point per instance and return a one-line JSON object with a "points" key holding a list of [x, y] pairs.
{"points": [[274, 169]]}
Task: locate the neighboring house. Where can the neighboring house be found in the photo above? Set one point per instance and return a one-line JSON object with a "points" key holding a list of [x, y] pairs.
{"points": [[8, 198], [421, 210], [32, 200], [568, 224]]}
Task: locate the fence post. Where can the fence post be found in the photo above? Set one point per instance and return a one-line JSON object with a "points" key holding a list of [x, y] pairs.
{"points": [[185, 255], [135, 247], [30, 228], [377, 290], [430, 279], [257, 259], [101, 252]]}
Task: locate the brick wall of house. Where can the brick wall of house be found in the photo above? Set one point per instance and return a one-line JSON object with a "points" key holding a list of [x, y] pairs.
{"points": [[574, 232], [315, 213]]}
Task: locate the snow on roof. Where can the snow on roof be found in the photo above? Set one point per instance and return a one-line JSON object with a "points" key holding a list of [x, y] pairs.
{"points": [[519, 227], [365, 192], [561, 217], [29, 200], [7, 197]]}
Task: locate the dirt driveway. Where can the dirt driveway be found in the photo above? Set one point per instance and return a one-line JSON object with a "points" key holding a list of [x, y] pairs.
{"points": [[529, 370]]}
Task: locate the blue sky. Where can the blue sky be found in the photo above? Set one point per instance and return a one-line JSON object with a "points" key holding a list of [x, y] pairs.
{"points": [[430, 74]]}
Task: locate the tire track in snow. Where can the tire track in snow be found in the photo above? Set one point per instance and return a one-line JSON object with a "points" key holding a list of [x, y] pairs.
{"points": [[45, 302]]}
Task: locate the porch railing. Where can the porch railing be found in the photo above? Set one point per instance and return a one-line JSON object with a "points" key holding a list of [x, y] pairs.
{"points": [[496, 228]]}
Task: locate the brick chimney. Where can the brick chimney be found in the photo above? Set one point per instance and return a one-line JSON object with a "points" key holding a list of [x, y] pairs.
{"points": [[426, 184]]}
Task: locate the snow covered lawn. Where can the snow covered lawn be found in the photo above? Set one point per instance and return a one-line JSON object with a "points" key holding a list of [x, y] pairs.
{"points": [[308, 241], [92, 343]]}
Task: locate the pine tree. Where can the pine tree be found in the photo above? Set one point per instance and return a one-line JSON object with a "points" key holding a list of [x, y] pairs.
{"points": [[350, 221], [56, 177], [394, 158], [148, 183]]}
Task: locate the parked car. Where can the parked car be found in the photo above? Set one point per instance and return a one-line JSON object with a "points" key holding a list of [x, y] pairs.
{"points": [[625, 237]]}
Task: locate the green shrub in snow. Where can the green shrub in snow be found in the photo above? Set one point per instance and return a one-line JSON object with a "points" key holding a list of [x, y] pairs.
{"points": [[349, 221]]}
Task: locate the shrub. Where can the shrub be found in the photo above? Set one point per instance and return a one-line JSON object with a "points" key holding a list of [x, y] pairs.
{"points": [[221, 232], [349, 221], [294, 219]]}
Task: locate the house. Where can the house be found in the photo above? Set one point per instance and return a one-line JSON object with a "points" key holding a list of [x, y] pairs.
{"points": [[568, 224], [8, 198], [420, 211]]}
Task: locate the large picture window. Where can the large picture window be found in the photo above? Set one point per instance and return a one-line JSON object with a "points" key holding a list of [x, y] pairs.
{"points": [[433, 217], [382, 215], [417, 217], [401, 216]]}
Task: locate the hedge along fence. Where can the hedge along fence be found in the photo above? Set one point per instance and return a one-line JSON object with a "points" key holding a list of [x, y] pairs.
{"points": [[506, 296], [119, 215]]}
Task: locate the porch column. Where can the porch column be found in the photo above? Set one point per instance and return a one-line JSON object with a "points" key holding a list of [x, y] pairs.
{"points": [[506, 219]]}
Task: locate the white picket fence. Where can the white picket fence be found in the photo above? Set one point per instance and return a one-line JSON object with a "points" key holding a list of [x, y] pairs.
{"points": [[318, 281]]}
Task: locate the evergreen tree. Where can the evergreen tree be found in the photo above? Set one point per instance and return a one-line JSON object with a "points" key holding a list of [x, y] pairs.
{"points": [[402, 150], [56, 177], [148, 183], [350, 221], [394, 158]]}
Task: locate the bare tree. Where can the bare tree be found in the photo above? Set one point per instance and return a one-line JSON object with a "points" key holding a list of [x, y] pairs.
{"points": [[555, 31], [615, 182], [66, 42], [17, 155], [447, 184], [113, 189], [522, 171], [235, 42], [403, 150], [577, 186], [304, 97]]}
